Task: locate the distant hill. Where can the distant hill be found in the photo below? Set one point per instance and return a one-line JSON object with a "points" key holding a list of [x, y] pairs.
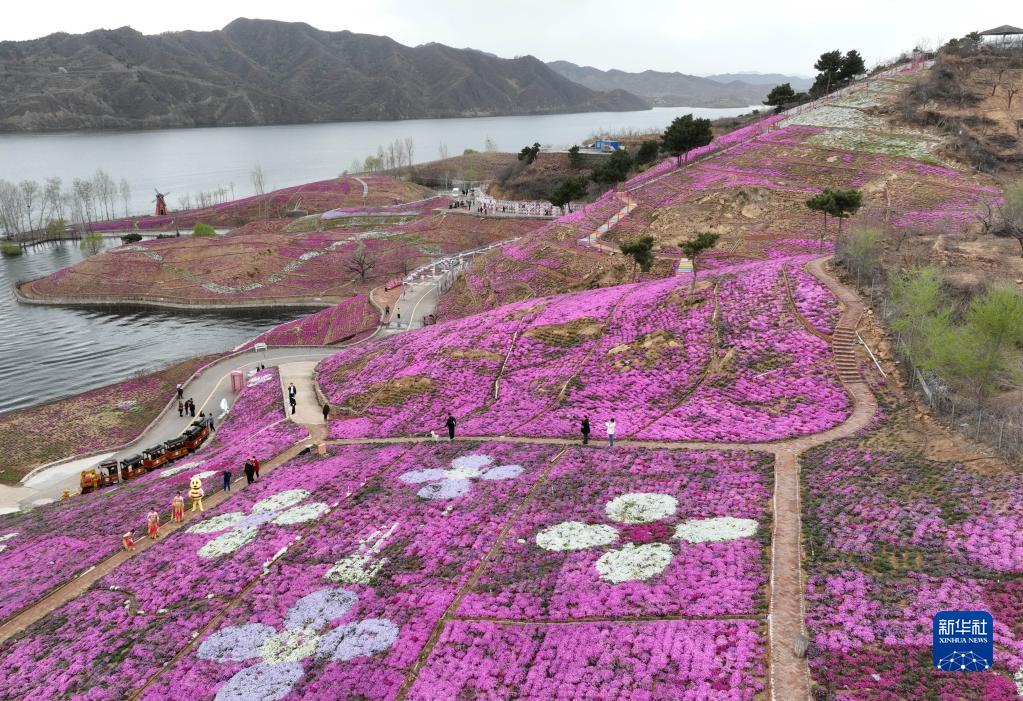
{"points": [[673, 89], [768, 79], [267, 72]]}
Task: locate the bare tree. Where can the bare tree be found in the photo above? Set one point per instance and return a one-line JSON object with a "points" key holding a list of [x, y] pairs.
{"points": [[489, 145], [106, 193], [258, 179], [55, 196], [11, 210], [359, 262], [410, 150], [125, 190], [1011, 90], [442, 151], [29, 198]]}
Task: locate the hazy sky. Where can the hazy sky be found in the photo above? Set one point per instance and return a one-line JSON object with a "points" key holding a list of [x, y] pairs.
{"points": [[671, 35]]}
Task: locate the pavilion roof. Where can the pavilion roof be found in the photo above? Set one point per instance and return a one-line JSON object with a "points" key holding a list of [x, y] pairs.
{"points": [[1003, 30]]}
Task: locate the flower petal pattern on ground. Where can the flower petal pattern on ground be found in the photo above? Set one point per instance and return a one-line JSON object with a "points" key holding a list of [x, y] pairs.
{"points": [[455, 481]]}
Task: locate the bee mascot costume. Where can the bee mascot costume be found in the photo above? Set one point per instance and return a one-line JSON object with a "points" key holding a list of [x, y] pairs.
{"points": [[196, 493]]}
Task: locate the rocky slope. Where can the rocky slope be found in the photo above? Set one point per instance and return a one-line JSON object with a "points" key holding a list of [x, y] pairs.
{"points": [[267, 72]]}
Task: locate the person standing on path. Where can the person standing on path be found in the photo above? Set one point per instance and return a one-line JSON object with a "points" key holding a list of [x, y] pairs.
{"points": [[255, 466], [326, 412], [293, 403], [153, 524], [128, 541], [178, 508], [250, 470], [292, 391], [586, 430], [227, 479], [191, 407], [181, 392], [450, 423], [610, 425], [181, 408]]}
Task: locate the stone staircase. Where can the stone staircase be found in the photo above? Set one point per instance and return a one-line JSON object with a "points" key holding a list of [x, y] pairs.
{"points": [[628, 204], [843, 346]]}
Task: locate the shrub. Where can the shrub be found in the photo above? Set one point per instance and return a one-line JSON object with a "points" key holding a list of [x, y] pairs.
{"points": [[10, 249], [203, 230]]}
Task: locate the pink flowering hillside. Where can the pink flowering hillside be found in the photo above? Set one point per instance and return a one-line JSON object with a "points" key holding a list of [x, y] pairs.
{"points": [[893, 540], [341, 322], [47, 546], [364, 572], [727, 362]]}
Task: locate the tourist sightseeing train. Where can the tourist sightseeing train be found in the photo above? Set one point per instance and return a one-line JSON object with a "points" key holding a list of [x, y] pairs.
{"points": [[106, 473]]}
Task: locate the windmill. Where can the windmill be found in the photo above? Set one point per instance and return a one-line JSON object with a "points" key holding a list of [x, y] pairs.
{"points": [[161, 202]]}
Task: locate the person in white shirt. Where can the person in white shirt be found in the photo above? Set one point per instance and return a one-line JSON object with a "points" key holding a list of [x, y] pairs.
{"points": [[610, 425]]}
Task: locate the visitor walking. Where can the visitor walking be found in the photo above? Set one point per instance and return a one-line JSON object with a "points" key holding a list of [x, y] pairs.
{"points": [[292, 391], [293, 403], [128, 541], [227, 479], [586, 430], [178, 508], [250, 471], [191, 407], [610, 425], [326, 412], [181, 392], [255, 466], [450, 423], [181, 408], [152, 524]]}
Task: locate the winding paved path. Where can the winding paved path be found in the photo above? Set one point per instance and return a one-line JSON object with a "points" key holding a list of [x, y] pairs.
{"points": [[788, 677]]}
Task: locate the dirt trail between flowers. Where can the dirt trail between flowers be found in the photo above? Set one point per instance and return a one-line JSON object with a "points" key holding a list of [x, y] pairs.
{"points": [[788, 676]]}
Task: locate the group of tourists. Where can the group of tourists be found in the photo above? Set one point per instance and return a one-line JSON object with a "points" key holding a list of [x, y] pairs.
{"points": [[609, 426], [186, 408], [476, 200]]}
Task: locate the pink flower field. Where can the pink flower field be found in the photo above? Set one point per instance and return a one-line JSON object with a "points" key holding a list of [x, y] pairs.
{"points": [[895, 539], [56, 541], [647, 354], [331, 574]]}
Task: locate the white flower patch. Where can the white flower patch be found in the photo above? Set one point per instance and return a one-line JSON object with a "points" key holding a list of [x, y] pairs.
{"points": [[456, 481], [281, 509], [631, 562], [205, 474], [573, 535], [259, 380], [641, 507], [227, 543], [307, 633], [707, 530], [178, 469], [5, 537], [363, 565], [634, 563]]}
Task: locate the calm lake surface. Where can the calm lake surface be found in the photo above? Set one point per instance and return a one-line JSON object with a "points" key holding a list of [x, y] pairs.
{"points": [[181, 161], [51, 352]]}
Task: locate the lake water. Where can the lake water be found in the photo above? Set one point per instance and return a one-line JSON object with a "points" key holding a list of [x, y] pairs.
{"points": [[181, 161], [51, 352]]}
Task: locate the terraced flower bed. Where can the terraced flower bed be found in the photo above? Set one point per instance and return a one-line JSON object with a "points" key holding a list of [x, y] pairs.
{"points": [[89, 422], [891, 540], [647, 354], [56, 541], [343, 321]]}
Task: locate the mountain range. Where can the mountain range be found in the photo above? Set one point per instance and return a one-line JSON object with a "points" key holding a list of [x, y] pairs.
{"points": [[269, 72], [664, 89]]}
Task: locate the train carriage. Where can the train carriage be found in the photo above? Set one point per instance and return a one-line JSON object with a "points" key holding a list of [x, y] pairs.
{"points": [[175, 448], [132, 466], [154, 457]]}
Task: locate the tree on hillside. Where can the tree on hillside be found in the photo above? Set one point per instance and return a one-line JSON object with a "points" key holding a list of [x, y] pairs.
{"points": [[641, 251], [529, 153], [823, 202], [852, 66], [828, 66], [780, 96], [648, 151], [575, 159], [847, 203], [359, 262], [570, 189], [201, 230], [918, 303], [258, 179], [614, 169], [695, 246], [684, 134]]}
